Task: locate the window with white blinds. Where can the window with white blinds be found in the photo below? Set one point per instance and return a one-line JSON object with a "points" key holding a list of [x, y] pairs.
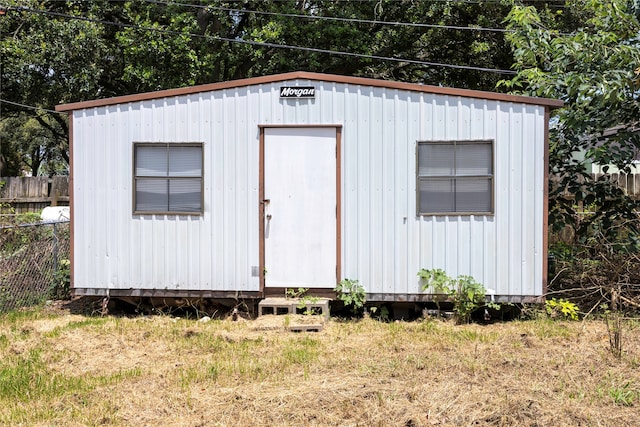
{"points": [[455, 177], [168, 178]]}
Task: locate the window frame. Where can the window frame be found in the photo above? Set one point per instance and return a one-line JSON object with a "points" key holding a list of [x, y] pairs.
{"points": [[136, 177], [422, 178]]}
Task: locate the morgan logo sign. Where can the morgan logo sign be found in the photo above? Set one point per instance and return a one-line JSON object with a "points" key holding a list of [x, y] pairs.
{"points": [[297, 92]]}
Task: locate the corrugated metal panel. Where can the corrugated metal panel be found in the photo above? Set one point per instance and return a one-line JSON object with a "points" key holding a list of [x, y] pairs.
{"points": [[118, 250], [384, 242]]}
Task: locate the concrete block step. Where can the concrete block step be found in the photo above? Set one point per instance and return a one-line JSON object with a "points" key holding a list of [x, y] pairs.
{"points": [[319, 307], [277, 306], [305, 328], [284, 306]]}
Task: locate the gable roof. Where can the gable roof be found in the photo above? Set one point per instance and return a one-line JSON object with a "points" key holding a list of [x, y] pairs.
{"points": [[303, 75]]}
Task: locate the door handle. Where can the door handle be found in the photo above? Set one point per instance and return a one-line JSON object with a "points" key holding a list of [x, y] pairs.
{"points": [[265, 203]]}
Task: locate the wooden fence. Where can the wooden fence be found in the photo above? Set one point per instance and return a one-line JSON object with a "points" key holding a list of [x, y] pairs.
{"points": [[31, 194], [630, 183]]}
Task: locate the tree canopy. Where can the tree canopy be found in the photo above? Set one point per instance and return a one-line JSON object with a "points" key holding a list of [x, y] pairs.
{"points": [[595, 69]]}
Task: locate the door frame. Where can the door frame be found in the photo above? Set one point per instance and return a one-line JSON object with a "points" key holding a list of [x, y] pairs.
{"points": [[261, 210]]}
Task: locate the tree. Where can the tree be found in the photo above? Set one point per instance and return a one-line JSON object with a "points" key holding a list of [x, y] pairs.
{"points": [[45, 62], [595, 70], [229, 41], [31, 147]]}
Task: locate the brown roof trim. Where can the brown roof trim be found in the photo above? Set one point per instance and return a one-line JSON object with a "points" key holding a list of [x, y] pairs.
{"points": [[303, 75]]}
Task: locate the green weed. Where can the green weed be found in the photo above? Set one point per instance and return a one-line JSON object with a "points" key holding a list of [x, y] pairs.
{"points": [[352, 294], [18, 316], [548, 328], [561, 308], [466, 294], [301, 352], [471, 335], [624, 395], [27, 378]]}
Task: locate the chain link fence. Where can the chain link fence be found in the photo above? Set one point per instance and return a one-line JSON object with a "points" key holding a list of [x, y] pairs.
{"points": [[34, 263]]}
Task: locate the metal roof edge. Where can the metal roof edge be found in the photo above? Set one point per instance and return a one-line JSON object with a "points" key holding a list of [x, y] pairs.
{"points": [[304, 75]]}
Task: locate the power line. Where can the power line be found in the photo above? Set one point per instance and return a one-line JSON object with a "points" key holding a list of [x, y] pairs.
{"points": [[264, 44], [365, 21], [30, 107], [333, 18]]}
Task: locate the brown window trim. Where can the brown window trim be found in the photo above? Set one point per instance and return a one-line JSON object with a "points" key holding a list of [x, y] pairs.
{"points": [[454, 142], [168, 145]]}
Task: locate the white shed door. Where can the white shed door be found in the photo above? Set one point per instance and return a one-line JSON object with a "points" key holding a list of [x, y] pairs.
{"points": [[300, 209]]}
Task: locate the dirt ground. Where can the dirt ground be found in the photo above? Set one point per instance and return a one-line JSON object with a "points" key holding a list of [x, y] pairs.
{"points": [[163, 370]]}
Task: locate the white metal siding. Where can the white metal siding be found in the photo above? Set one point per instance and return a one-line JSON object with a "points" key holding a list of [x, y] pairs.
{"points": [[384, 242]]}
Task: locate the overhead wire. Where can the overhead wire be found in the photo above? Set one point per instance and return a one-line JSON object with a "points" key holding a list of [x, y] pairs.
{"points": [[30, 107], [331, 18], [264, 44]]}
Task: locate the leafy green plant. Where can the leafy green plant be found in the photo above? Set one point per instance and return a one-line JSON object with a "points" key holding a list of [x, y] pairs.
{"points": [[532, 312], [351, 293], [294, 293], [61, 286], [435, 277], [28, 218], [561, 308], [595, 102], [303, 299], [466, 294], [381, 313], [623, 396]]}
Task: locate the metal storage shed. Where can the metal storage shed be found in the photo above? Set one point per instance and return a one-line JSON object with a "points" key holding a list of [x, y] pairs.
{"points": [[243, 188]]}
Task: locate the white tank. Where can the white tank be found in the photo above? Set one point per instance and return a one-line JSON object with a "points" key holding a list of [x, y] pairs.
{"points": [[55, 213]]}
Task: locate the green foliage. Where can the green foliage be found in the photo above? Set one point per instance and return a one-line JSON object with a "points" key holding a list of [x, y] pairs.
{"points": [[61, 286], [624, 395], [27, 377], [29, 145], [46, 61], [436, 278], [381, 313], [302, 351], [561, 251], [594, 70], [351, 293], [27, 218], [304, 300], [466, 294], [561, 308], [19, 238], [295, 293]]}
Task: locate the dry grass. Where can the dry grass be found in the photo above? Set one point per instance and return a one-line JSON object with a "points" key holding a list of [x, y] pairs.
{"points": [[69, 370]]}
